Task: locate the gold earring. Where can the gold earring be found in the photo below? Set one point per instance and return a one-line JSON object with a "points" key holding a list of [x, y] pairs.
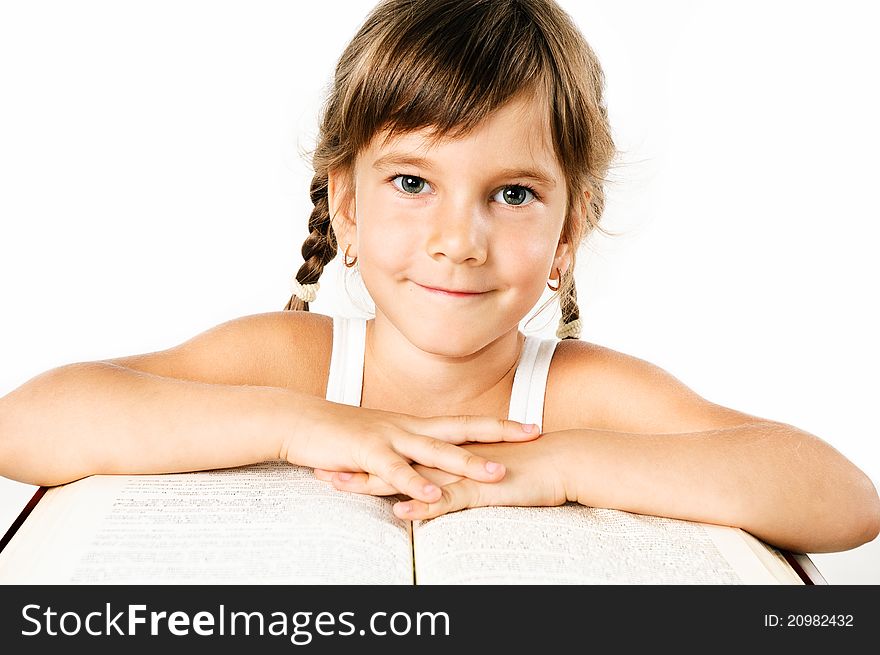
{"points": [[558, 281], [345, 258]]}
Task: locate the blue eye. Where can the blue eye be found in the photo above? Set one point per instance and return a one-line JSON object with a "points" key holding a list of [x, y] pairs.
{"points": [[410, 184], [515, 195]]}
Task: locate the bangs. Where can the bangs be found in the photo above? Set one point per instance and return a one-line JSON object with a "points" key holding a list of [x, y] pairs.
{"points": [[446, 66]]}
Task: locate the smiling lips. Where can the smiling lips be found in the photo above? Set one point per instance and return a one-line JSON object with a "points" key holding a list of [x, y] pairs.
{"points": [[452, 293]]}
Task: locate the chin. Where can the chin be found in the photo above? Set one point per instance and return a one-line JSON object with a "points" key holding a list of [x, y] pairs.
{"points": [[449, 340]]}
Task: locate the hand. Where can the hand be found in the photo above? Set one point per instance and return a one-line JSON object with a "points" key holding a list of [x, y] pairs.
{"points": [[535, 478], [383, 444]]}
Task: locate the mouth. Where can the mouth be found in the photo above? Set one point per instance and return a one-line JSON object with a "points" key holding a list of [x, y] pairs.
{"points": [[452, 293]]}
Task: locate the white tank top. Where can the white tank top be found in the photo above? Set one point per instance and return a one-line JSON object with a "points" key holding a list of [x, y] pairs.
{"points": [[347, 370]]}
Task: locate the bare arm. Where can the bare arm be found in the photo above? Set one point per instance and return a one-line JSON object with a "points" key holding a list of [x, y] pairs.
{"points": [[775, 481], [650, 444], [100, 417], [205, 403], [779, 483], [220, 400]]}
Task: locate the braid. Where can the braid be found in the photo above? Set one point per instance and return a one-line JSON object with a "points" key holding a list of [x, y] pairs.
{"points": [[320, 246], [575, 232]]}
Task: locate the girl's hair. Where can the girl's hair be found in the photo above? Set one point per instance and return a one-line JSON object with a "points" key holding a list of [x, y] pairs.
{"points": [[447, 65]]}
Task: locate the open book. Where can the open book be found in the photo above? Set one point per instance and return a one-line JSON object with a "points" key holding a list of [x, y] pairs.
{"points": [[275, 523]]}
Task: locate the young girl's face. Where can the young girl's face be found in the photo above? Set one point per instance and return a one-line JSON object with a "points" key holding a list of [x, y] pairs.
{"points": [[480, 215]]}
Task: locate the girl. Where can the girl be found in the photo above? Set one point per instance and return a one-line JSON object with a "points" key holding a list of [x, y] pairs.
{"points": [[459, 166]]}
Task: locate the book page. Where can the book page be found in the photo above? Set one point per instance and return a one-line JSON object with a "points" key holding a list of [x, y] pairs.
{"points": [[772, 558], [574, 544], [271, 523]]}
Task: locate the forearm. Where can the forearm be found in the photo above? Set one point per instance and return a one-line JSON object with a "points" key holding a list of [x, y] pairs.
{"points": [[85, 419], [779, 483]]}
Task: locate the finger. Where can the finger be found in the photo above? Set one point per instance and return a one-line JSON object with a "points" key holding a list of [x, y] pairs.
{"points": [[397, 472], [326, 474], [455, 496], [368, 483], [441, 455], [363, 483], [468, 427], [322, 474], [437, 476]]}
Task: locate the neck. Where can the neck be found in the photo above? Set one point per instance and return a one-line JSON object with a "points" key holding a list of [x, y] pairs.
{"points": [[399, 376]]}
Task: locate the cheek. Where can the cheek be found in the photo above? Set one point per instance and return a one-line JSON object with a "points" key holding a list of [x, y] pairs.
{"points": [[383, 243], [526, 259], [373, 229], [380, 244]]}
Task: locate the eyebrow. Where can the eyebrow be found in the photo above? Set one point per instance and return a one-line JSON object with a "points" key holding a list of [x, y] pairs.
{"points": [[400, 159]]}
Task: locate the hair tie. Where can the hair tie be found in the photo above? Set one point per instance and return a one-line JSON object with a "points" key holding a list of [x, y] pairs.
{"points": [[305, 292], [571, 329]]}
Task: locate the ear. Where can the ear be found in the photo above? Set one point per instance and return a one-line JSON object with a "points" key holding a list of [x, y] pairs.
{"points": [[562, 259], [340, 200], [578, 214]]}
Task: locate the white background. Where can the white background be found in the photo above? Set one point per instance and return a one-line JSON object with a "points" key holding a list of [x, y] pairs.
{"points": [[153, 184]]}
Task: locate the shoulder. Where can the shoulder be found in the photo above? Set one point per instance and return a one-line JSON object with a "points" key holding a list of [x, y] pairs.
{"points": [[591, 386], [296, 346], [288, 349]]}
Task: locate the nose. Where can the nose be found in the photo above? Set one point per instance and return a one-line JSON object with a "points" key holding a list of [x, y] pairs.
{"points": [[459, 233]]}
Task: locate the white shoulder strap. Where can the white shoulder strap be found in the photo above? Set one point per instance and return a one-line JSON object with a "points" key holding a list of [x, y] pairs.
{"points": [[530, 381], [345, 381]]}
